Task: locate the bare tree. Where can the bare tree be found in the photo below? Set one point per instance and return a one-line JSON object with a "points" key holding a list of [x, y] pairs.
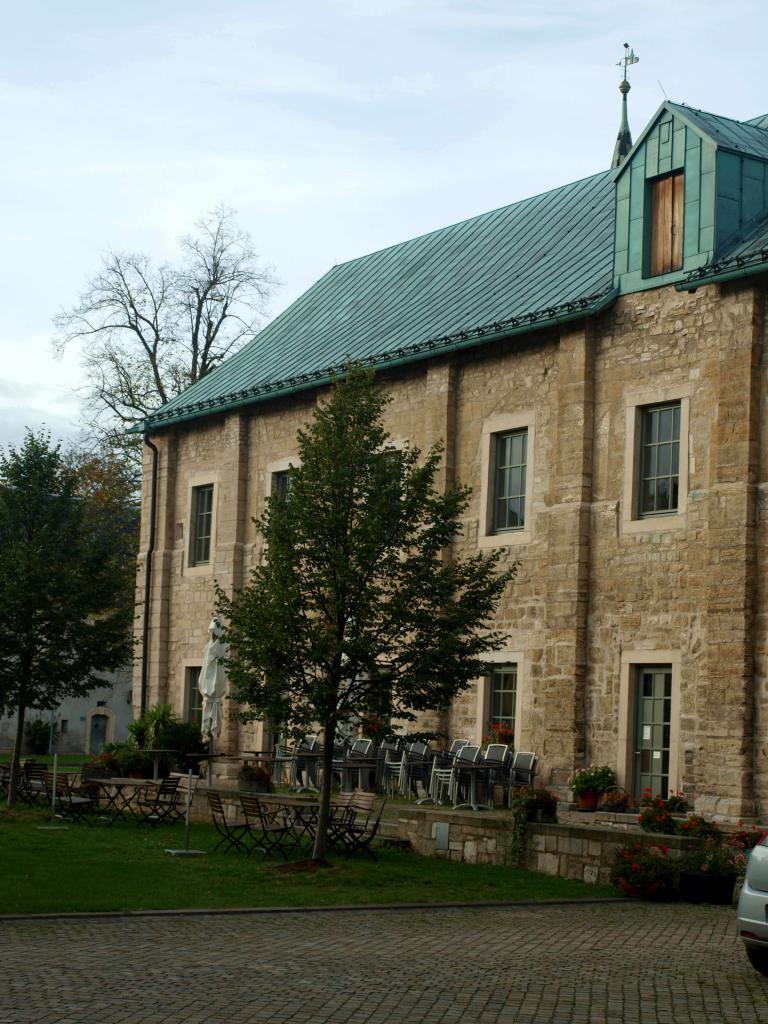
{"points": [[148, 332]]}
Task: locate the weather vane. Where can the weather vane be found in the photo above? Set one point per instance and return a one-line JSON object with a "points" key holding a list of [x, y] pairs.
{"points": [[627, 60]]}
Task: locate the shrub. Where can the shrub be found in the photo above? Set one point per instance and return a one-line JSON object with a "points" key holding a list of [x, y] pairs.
{"points": [[255, 773], [696, 827], [643, 872], [526, 802], [129, 759], [747, 839], [715, 857], [38, 732]]}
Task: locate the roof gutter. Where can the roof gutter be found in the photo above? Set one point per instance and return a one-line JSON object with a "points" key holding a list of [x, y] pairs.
{"points": [[716, 277], [566, 313]]}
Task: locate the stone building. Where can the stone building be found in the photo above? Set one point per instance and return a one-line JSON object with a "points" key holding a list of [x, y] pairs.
{"points": [[594, 359], [84, 724]]}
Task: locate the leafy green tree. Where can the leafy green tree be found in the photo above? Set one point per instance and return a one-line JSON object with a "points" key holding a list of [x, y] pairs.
{"points": [[66, 581], [357, 606]]}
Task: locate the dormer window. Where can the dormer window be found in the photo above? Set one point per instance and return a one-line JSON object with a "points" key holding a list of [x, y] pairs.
{"points": [[667, 224]]}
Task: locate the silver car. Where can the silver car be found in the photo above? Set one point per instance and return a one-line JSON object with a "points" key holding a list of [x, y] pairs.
{"points": [[752, 913]]}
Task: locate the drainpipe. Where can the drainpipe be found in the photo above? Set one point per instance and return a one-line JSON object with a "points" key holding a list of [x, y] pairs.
{"points": [[148, 576]]}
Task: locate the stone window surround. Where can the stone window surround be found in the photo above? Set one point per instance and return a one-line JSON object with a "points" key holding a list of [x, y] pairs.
{"points": [[635, 402], [484, 695], [631, 660], [183, 689], [111, 718], [277, 466], [187, 664], [501, 423], [201, 479]]}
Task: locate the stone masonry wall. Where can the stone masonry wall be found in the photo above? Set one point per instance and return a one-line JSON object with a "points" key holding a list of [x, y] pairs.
{"points": [[593, 593]]}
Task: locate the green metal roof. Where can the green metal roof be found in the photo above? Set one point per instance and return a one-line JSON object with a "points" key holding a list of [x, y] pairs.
{"points": [[739, 136], [543, 260], [744, 258]]}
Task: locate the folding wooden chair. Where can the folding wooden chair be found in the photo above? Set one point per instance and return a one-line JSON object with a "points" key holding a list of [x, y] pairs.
{"points": [[268, 827], [70, 801], [159, 805], [231, 832], [358, 830]]}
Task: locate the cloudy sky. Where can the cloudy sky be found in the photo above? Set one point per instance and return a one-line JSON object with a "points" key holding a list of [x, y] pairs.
{"points": [[333, 127]]}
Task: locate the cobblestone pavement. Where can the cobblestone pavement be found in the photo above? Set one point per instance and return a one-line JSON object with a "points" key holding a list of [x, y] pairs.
{"points": [[629, 962]]}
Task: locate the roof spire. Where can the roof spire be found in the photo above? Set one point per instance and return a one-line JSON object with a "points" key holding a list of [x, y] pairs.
{"points": [[624, 138]]}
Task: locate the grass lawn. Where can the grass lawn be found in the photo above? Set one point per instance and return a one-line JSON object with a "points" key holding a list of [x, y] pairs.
{"points": [[125, 868]]}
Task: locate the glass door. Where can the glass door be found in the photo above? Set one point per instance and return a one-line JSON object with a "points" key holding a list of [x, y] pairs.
{"points": [[653, 706]]}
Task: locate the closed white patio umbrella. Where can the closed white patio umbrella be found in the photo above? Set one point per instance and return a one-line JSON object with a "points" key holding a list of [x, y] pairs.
{"points": [[212, 686]]}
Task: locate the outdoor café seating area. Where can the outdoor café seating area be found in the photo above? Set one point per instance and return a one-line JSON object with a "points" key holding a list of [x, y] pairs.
{"points": [[464, 775], [280, 815], [89, 795]]}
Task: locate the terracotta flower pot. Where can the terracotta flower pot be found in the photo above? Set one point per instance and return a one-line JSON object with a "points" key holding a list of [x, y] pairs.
{"points": [[587, 801]]}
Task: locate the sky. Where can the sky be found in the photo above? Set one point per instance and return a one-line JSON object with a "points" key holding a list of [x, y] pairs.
{"points": [[333, 127]]}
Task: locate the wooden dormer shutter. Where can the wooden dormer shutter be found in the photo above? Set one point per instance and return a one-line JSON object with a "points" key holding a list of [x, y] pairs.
{"points": [[667, 226]]}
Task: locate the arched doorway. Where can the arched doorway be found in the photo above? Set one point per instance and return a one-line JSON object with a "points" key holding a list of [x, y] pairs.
{"points": [[99, 729]]}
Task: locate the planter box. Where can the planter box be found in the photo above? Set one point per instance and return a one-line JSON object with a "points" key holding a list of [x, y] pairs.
{"points": [[254, 787], [698, 887]]}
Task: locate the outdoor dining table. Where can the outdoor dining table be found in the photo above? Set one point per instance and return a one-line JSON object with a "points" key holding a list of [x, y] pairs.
{"points": [[365, 769], [118, 794], [302, 811], [474, 771]]}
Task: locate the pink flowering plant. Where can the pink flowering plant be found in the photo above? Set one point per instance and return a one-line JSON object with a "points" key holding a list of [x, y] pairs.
{"points": [[716, 856], [747, 838]]}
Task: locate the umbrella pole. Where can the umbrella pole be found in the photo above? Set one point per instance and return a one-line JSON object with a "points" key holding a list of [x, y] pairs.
{"points": [[186, 816], [50, 827], [53, 788], [186, 852], [210, 761]]}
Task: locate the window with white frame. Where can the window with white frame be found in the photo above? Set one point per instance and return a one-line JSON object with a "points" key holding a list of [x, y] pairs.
{"points": [[658, 456], [659, 470], [510, 462], [507, 446]]}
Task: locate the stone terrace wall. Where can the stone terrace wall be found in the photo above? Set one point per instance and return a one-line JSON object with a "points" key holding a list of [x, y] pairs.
{"points": [[581, 852]]}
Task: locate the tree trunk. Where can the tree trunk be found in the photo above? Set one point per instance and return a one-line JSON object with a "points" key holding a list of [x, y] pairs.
{"points": [[321, 832], [13, 784]]}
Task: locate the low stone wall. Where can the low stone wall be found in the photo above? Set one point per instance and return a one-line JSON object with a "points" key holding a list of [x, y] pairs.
{"points": [[570, 850]]}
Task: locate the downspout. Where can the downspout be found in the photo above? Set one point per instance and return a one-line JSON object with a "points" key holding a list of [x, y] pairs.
{"points": [[148, 576]]}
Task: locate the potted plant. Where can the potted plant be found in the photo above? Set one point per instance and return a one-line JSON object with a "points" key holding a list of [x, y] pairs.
{"points": [[534, 804], [499, 733], [677, 803], [644, 872], [615, 801], [708, 872], [254, 778], [588, 783], [696, 827], [654, 817]]}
